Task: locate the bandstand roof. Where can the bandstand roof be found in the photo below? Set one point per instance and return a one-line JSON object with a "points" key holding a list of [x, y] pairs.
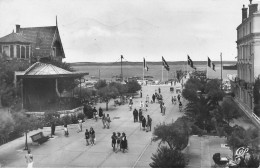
{"points": [[43, 70]]}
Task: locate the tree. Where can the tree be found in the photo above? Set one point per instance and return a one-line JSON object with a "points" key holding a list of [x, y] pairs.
{"points": [[229, 110], [176, 135], [6, 125], [107, 93], [122, 88], [133, 86], [165, 158], [7, 69], [213, 91], [100, 84]]}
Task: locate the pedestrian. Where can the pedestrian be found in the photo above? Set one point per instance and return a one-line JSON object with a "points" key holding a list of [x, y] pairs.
{"points": [[131, 100], [52, 128], [87, 135], [79, 126], [153, 97], [159, 90], [135, 114], [104, 120], [108, 120], [179, 97], [29, 159], [100, 112], [123, 142], [92, 136], [130, 106], [118, 141], [141, 105], [147, 98], [95, 113], [161, 106], [163, 109], [66, 131], [149, 123], [143, 122], [140, 115], [146, 105], [141, 93], [114, 137]]}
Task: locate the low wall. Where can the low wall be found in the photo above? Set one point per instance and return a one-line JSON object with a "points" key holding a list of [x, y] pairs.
{"points": [[71, 112]]}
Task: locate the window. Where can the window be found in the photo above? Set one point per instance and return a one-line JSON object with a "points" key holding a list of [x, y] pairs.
{"points": [[18, 51], [22, 51], [6, 51], [27, 52], [54, 52], [250, 27]]}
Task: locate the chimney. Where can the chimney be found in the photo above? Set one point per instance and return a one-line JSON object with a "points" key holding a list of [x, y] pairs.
{"points": [[244, 13], [252, 8], [17, 28]]}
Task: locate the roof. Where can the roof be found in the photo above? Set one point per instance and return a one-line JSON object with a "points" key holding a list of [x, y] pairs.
{"points": [[14, 38], [42, 70]]}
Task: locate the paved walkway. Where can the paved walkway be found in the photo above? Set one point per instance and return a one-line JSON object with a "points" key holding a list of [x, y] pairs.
{"points": [[71, 151]]}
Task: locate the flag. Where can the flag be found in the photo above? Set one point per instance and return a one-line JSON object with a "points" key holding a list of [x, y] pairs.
{"points": [[213, 67], [122, 56], [190, 62], [145, 65], [166, 66], [209, 62]]}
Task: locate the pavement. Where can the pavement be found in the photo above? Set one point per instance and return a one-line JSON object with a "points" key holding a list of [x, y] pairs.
{"points": [[72, 151]]}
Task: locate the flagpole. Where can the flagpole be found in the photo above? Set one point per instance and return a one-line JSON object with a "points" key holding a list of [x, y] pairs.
{"points": [[207, 63], [143, 73], [162, 73], [221, 69]]}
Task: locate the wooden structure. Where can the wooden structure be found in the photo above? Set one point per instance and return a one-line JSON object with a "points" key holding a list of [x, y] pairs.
{"points": [[40, 85]]}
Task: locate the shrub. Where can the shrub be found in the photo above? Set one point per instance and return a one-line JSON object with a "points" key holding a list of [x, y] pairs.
{"points": [[66, 120], [166, 157], [74, 119], [88, 111], [81, 116]]}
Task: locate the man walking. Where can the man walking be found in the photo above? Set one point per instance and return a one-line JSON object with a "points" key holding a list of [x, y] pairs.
{"points": [[149, 123], [153, 97], [29, 159], [135, 114]]}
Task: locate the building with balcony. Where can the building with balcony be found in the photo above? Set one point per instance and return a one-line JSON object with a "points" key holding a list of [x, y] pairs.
{"points": [[33, 44], [248, 58]]}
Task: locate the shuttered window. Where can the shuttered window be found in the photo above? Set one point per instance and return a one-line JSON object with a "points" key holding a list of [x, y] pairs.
{"points": [[12, 51], [27, 51], [18, 51], [22, 51]]}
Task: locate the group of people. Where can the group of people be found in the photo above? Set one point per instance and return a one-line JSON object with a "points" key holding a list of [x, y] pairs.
{"points": [[174, 101], [90, 136], [119, 142]]}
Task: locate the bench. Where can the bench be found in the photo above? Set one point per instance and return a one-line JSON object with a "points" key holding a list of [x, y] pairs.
{"points": [[39, 138]]}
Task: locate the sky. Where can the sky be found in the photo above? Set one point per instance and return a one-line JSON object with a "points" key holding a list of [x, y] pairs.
{"points": [[102, 30]]}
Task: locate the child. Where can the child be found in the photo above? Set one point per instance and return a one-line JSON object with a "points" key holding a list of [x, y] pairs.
{"points": [[66, 132]]}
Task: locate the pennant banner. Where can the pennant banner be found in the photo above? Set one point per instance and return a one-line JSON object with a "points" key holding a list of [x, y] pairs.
{"points": [[166, 66], [209, 62]]}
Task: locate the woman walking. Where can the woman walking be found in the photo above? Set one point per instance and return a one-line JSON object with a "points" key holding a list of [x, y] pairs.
{"points": [[92, 136], [124, 142], [87, 137], [66, 131], [118, 141], [143, 122], [104, 120], [108, 120], [113, 137]]}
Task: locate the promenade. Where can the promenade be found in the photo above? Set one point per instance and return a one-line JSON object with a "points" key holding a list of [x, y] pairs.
{"points": [[72, 151]]}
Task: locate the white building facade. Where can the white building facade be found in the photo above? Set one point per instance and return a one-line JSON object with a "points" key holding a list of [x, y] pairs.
{"points": [[248, 58]]}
